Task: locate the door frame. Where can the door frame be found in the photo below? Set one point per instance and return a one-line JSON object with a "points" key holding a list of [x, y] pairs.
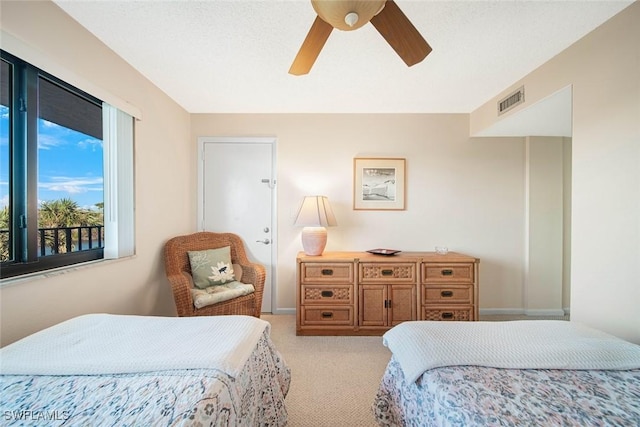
{"points": [[272, 141]]}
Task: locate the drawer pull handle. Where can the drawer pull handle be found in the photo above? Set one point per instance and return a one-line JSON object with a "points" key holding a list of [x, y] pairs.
{"points": [[446, 294], [326, 294], [447, 272], [447, 315], [387, 272], [327, 272], [327, 315]]}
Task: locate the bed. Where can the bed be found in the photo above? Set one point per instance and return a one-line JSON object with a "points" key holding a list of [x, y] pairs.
{"points": [[515, 373], [120, 370]]}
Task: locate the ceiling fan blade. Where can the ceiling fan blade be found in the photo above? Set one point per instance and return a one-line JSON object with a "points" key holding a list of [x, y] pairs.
{"points": [[311, 47], [400, 33]]}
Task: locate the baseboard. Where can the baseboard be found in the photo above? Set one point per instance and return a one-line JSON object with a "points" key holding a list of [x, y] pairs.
{"points": [[283, 311], [545, 312], [483, 311], [524, 312], [501, 311]]}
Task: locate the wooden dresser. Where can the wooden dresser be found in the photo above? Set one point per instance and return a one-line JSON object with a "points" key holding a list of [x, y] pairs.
{"points": [[358, 293]]}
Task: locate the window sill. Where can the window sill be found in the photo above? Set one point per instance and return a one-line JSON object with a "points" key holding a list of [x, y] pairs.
{"points": [[25, 278]]}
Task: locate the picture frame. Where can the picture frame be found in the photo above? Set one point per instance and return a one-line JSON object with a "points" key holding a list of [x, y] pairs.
{"points": [[379, 183]]}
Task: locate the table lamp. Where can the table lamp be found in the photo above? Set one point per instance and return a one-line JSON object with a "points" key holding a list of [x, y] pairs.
{"points": [[314, 215]]}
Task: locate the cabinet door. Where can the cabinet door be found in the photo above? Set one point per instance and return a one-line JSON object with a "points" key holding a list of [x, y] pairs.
{"points": [[401, 304], [373, 310]]}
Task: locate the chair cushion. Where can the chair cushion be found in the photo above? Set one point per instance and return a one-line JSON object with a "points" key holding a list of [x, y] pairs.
{"points": [[211, 267], [220, 293]]}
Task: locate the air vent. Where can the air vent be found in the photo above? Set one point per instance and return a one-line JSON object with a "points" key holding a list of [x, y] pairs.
{"points": [[511, 101]]}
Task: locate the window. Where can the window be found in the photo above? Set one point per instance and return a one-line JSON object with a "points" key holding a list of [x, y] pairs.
{"points": [[53, 168]]}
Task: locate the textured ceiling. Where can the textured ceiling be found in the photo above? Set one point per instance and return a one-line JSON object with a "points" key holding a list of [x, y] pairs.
{"points": [[233, 56]]}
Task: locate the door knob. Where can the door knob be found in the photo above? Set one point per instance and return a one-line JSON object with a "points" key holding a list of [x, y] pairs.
{"points": [[265, 241]]}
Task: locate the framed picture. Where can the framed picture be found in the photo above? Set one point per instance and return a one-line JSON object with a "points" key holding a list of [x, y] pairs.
{"points": [[378, 183]]}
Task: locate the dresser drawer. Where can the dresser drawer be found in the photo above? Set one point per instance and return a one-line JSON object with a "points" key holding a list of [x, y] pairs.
{"points": [[447, 294], [319, 272], [378, 272], [327, 294], [337, 316], [459, 313], [447, 273]]}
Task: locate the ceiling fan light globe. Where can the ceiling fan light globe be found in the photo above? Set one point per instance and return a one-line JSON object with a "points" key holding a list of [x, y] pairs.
{"points": [[333, 12], [351, 19]]}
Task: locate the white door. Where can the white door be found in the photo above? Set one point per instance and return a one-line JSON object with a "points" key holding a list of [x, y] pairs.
{"points": [[236, 193]]}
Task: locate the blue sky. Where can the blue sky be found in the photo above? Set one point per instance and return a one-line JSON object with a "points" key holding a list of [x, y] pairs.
{"points": [[69, 162]]}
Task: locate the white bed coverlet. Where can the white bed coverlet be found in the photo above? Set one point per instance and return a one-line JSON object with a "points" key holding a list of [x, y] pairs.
{"points": [[526, 344], [97, 344]]}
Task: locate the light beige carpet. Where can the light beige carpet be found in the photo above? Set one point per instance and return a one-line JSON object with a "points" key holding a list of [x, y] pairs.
{"points": [[334, 379]]}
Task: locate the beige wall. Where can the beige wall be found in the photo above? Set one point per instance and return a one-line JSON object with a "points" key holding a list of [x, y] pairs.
{"points": [[566, 224], [164, 157], [603, 69], [461, 193], [544, 226]]}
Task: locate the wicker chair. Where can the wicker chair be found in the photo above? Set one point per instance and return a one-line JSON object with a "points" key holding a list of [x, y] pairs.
{"points": [[178, 270]]}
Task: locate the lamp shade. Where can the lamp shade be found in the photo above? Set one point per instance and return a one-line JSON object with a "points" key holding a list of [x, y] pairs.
{"points": [[315, 211]]}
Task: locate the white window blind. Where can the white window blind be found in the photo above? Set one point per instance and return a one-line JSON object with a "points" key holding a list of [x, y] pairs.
{"points": [[119, 218]]}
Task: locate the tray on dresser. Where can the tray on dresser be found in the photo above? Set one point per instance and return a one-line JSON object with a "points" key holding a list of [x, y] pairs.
{"points": [[382, 251]]}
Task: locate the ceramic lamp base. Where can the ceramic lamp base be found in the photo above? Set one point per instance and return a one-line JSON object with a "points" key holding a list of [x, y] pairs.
{"points": [[314, 239]]}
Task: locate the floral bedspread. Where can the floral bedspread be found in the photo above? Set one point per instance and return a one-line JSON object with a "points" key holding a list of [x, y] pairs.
{"points": [[196, 397], [481, 396]]}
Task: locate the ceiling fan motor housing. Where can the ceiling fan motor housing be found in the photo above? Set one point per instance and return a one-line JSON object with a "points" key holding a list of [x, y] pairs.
{"points": [[334, 12]]}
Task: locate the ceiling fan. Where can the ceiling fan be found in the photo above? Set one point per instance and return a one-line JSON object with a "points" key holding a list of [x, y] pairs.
{"points": [[349, 15]]}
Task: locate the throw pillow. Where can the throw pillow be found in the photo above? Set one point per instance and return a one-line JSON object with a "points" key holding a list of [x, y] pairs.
{"points": [[211, 267]]}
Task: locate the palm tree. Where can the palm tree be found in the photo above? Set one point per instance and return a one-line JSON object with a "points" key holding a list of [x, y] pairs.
{"points": [[92, 217], [57, 214], [4, 237]]}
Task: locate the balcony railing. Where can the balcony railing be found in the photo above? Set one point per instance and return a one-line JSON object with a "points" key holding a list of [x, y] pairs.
{"points": [[59, 240], [70, 239]]}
